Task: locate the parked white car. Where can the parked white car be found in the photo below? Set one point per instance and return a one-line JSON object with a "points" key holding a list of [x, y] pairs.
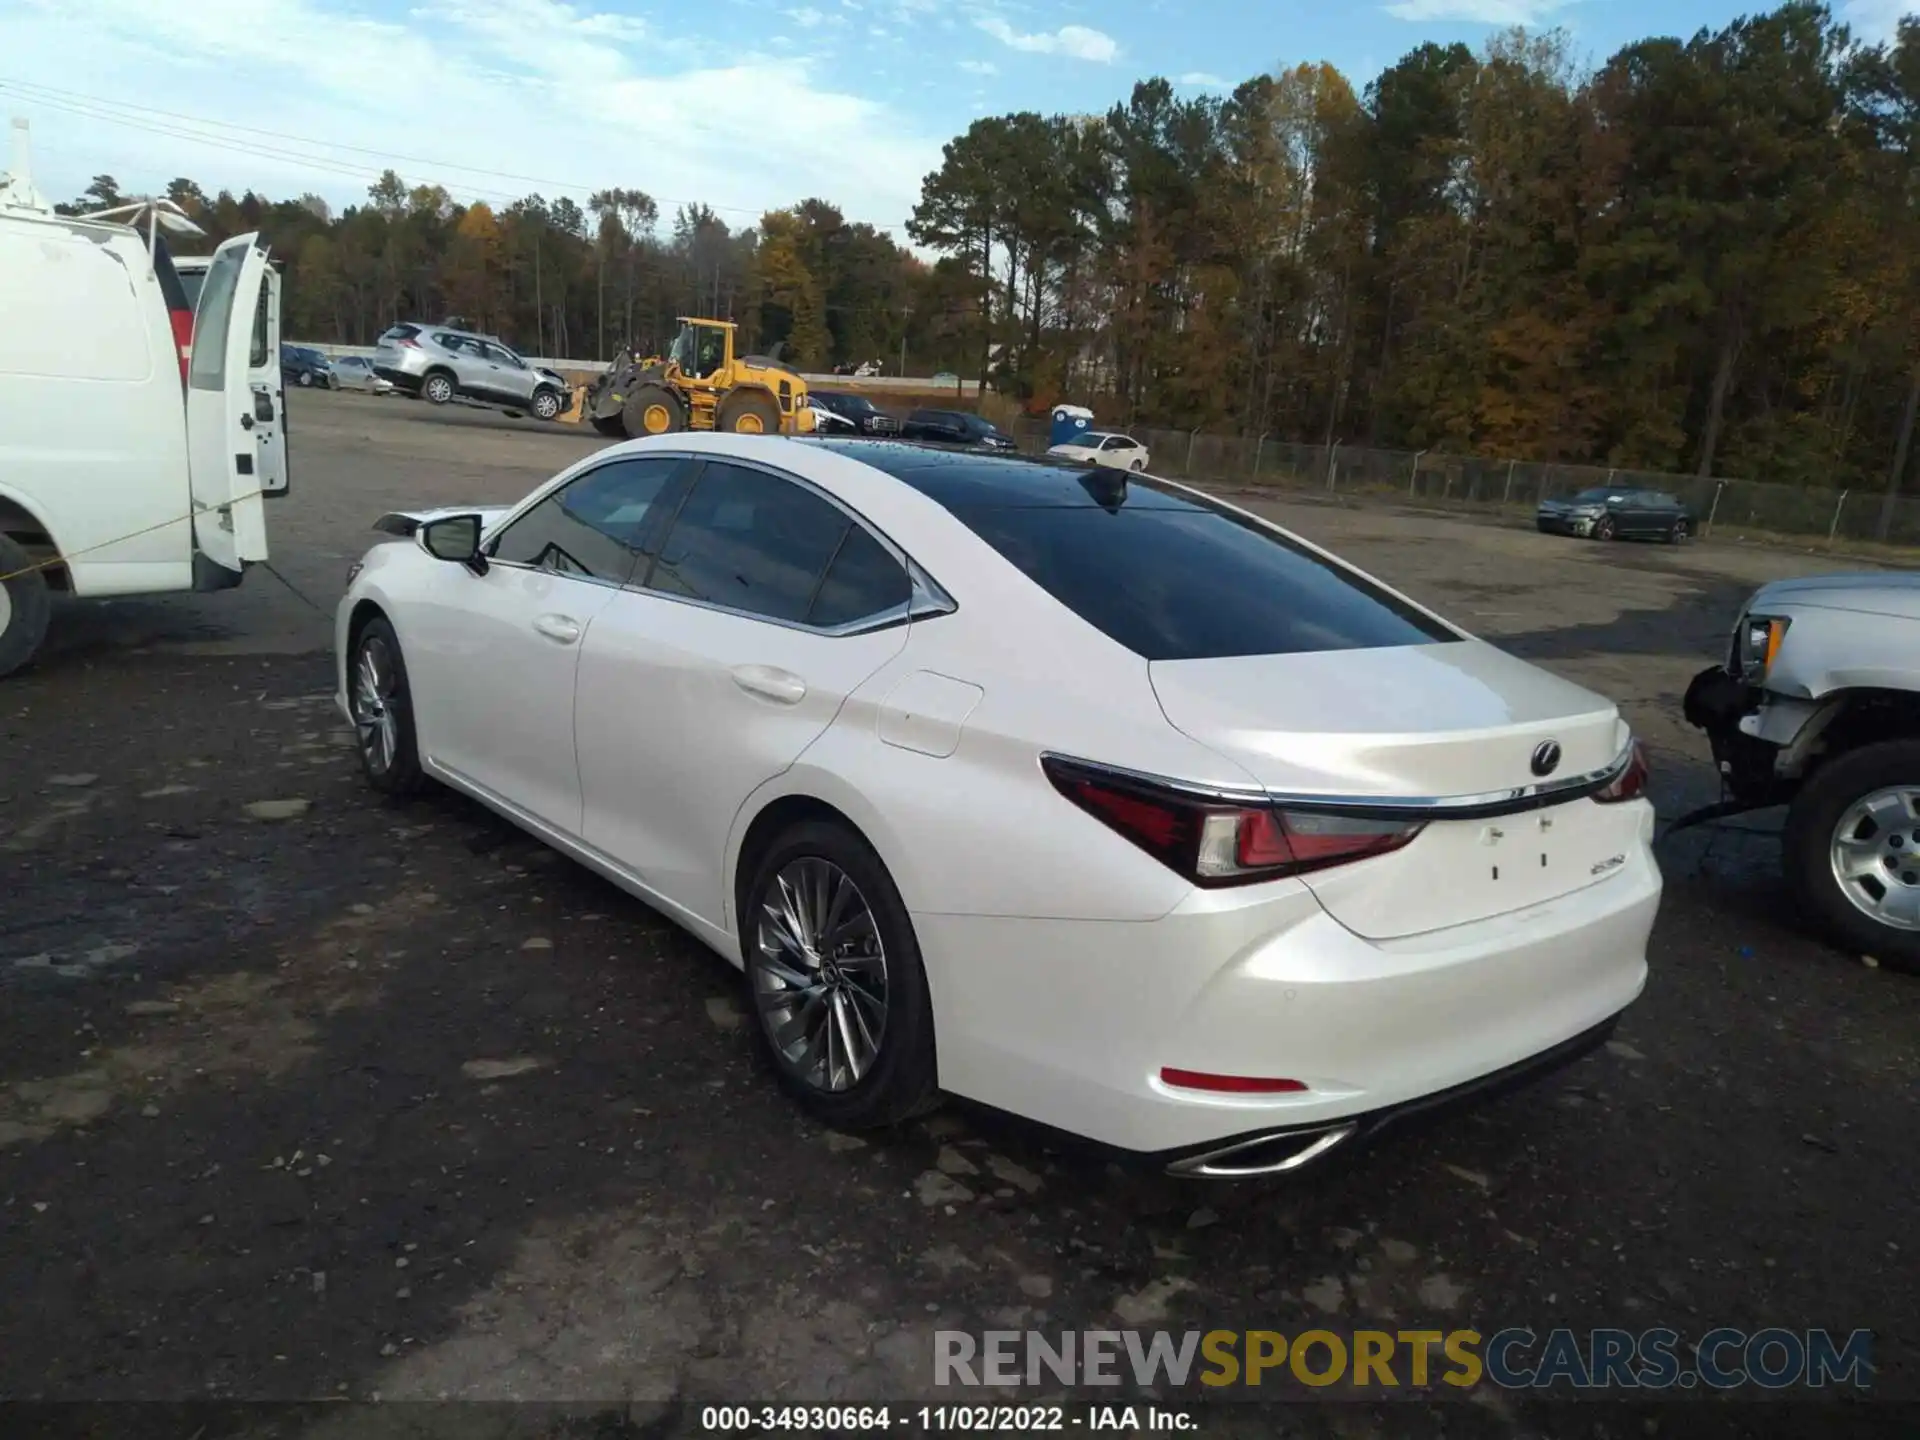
{"points": [[139, 435], [1101, 447], [1110, 805]]}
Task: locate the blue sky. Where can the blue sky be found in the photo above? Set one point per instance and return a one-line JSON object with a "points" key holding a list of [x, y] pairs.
{"points": [[744, 104]]}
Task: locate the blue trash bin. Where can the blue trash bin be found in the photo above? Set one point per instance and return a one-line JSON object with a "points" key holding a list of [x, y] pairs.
{"points": [[1070, 422]]}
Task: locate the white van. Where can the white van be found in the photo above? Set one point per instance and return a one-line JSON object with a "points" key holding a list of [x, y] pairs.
{"points": [[131, 461]]}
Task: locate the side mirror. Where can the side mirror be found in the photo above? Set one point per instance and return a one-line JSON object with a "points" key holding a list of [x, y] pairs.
{"points": [[455, 537]]}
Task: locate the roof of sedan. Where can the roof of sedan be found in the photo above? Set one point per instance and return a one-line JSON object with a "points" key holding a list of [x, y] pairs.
{"points": [[958, 478]]}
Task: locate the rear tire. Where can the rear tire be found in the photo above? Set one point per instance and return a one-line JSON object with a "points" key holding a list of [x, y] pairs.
{"points": [[25, 607], [749, 412], [381, 703], [1812, 846], [437, 388], [653, 410], [807, 1001], [546, 404]]}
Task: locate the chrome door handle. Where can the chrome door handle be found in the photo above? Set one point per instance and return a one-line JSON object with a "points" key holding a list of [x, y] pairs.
{"points": [[561, 628], [770, 683]]}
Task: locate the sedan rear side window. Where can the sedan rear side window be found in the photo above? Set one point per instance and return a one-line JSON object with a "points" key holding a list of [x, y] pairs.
{"points": [[756, 543], [1185, 582], [596, 527]]}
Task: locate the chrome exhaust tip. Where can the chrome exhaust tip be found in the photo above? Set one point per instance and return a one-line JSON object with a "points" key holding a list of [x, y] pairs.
{"points": [[1275, 1154]]}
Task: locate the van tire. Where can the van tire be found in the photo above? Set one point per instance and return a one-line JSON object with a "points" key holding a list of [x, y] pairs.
{"points": [[437, 388], [26, 608]]}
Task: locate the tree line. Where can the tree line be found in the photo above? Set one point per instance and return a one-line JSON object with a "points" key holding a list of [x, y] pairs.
{"points": [[1701, 255]]}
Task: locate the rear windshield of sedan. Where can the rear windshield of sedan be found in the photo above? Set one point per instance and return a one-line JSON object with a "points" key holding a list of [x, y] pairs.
{"points": [[1192, 584]]}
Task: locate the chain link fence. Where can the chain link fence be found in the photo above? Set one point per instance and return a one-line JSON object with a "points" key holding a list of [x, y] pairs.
{"points": [[1472, 482]]}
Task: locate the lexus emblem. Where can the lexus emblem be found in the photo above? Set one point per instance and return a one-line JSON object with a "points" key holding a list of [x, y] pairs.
{"points": [[1546, 758]]}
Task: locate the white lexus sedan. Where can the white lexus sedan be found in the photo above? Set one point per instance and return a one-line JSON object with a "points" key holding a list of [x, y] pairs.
{"points": [[1077, 793], [1101, 447]]}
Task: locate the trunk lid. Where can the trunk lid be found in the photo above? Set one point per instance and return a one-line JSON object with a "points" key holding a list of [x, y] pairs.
{"points": [[1414, 725]]}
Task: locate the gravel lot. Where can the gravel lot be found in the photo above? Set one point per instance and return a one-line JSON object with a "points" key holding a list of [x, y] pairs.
{"points": [[333, 1099]]}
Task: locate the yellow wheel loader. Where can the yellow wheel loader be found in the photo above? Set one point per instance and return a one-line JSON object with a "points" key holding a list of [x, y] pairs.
{"points": [[701, 385]]}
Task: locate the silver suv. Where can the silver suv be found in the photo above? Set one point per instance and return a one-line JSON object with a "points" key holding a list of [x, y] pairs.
{"points": [[439, 363], [1817, 708]]}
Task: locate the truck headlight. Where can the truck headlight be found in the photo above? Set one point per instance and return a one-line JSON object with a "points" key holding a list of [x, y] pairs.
{"points": [[1759, 641]]}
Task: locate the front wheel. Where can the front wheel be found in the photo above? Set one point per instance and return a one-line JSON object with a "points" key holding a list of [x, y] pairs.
{"points": [[1680, 533], [305, 378], [1852, 851], [546, 405], [834, 975], [1604, 529], [381, 703]]}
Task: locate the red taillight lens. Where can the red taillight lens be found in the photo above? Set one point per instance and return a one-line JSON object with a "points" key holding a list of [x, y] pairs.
{"points": [[1632, 782], [1217, 844], [182, 339], [408, 341]]}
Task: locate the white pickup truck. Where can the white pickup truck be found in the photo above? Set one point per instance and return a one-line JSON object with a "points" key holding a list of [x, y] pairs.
{"points": [[139, 437]]}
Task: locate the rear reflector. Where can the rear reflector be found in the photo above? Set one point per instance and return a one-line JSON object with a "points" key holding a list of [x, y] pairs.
{"points": [[1228, 1084], [1213, 842], [1632, 783]]}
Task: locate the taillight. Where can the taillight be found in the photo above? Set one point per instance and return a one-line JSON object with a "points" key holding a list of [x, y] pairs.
{"points": [[1215, 843], [1631, 783], [408, 341], [183, 339]]}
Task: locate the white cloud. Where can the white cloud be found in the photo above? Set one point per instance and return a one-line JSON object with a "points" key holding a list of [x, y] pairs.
{"points": [[1205, 80], [525, 95], [1877, 20], [1478, 12], [1075, 41], [806, 17], [979, 67]]}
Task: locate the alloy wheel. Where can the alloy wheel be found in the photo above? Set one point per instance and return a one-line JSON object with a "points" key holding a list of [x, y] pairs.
{"points": [[820, 977], [1875, 854], [375, 684]]}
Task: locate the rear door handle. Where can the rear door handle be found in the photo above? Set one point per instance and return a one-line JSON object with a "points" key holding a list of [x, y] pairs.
{"points": [[771, 683], [563, 629]]}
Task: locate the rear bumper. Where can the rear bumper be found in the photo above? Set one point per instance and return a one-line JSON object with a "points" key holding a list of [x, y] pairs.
{"points": [[1071, 1023], [1292, 1148]]}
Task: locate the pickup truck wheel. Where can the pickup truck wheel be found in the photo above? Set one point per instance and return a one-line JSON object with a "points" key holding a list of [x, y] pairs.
{"points": [[1852, 851], [24, 607]]}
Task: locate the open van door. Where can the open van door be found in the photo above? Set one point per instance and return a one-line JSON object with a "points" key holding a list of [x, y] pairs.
{"points": [[229, 520], [270, 426]]}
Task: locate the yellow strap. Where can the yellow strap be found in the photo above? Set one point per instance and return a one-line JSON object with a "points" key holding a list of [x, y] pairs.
{"points": [[132, 535]]}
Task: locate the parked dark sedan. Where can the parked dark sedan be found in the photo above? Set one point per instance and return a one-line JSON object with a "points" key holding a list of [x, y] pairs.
{"points": [[955, 427], [865, 416], [301, 366], [1617, 514]]}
